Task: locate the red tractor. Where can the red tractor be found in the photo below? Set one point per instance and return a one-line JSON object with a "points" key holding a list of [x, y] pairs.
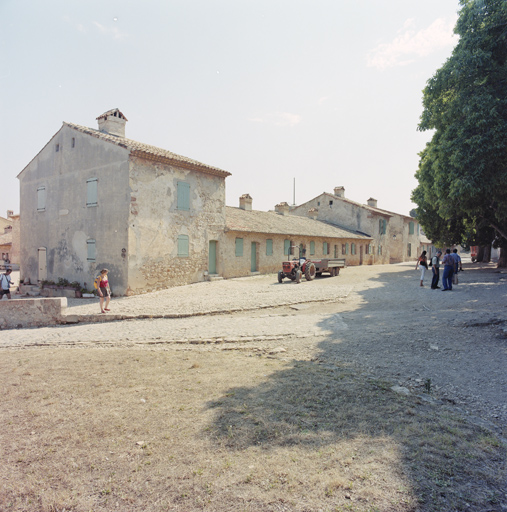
{"points": [[295, 268]]}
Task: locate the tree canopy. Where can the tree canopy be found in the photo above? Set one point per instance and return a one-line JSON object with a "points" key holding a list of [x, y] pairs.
{"points": [[462, 192]]}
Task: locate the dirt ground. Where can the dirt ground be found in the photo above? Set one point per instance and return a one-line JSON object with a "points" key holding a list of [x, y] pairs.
{"points": [[373, 394]]}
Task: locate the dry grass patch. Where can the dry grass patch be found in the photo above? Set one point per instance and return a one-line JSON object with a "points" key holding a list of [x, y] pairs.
{"points": [[157, 430]]}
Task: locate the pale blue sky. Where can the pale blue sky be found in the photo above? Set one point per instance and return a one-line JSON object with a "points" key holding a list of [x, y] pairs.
{"points": [[324, 91]]}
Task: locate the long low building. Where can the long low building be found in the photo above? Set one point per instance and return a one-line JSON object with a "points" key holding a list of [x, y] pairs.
{"points": [[258, 241]]}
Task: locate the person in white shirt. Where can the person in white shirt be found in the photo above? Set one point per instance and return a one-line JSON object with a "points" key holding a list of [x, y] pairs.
{"points": [[5, 284]]}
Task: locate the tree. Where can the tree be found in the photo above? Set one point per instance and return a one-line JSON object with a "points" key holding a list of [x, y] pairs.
{"points": [[462, 192]]}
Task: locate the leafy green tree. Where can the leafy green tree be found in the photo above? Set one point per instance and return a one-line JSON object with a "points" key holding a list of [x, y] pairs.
{"points": [[462, 192]]}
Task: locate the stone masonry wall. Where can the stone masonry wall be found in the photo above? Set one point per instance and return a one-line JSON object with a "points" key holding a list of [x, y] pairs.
{"points": [[22, 313]]}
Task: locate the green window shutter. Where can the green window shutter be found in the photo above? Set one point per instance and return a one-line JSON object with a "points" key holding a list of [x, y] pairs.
{"points": [[336, 251], [183, 199], [91, 250], [352, 248], [286, 247], [385, 226], [346, 248], [92, 192], [324, 248], [269, 247], [41, 199], [183, 245], [312, 248], [410, 228], [239, 247]]}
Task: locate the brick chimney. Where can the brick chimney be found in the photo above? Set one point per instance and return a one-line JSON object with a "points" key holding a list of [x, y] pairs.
{"points": [[112, 122], [372, 202], [245, 202], [282, 208], [339, 191], [313, 213]]}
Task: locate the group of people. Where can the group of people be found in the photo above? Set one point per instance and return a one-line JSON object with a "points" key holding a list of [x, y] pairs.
{"points": [[451, 262]]}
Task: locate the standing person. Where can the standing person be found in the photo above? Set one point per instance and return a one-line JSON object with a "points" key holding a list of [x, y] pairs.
{"points": [[435, 269], [102, 285], [5, 284], [423, 262], [457, 258], [448, 262]]}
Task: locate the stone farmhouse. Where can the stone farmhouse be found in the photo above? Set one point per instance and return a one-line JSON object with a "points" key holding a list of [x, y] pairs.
{"points": [[93, 199], [395, 237]]}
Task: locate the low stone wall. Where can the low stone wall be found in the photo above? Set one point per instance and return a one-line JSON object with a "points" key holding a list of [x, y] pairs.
{"points": [[20, 313]]}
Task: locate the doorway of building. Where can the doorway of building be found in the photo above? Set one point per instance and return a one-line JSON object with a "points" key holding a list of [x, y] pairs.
{"points": [[212, 257], [253, 267], [360, 255], [43, 270]]}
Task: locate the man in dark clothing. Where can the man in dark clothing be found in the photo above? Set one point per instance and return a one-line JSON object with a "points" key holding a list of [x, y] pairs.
{"points": [[435, 268]]}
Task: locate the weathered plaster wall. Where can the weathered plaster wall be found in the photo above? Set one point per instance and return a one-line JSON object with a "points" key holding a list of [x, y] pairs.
{"points": [[22, 313], [239, 266], [66, 224], [155, 223]]}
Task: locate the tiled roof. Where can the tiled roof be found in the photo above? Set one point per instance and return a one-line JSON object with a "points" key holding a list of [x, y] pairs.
{"points": [[151, 152], [255, 221]]}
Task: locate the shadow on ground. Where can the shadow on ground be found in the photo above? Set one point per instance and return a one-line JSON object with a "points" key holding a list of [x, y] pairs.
{"points": [[447, 462]]}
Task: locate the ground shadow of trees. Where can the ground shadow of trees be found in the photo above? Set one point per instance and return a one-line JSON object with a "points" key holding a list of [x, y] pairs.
{"points": [[325, 401]]}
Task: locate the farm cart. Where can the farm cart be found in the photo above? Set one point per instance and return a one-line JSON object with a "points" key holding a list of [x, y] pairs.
{"points": [[331, 265]]}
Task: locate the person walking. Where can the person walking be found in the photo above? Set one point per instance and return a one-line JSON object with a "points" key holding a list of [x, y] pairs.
{"points": [[5, 284], [435, 269], [457, 259], [102, 285], [448, 262], [423, 263]]}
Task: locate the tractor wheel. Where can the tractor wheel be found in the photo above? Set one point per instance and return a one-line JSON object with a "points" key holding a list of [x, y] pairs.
{"points": [[280, 276], [298, 276], [310, 271]]}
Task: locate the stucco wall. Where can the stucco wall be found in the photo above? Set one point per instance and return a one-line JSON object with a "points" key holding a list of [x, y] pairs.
{"points": [[238, 266], [155, 223], [66, 224]]}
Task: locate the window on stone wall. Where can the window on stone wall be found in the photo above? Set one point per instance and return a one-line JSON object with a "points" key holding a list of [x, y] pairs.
{"points": [[382, 226], [352, 248], [269, 247], [92, 186], [379, 250], [41, 199], [410, 228], [183, 195], [343, 248], [312, 248], [346, 248], [182, 245], [325, 248], [239, 247], [91, 249], [336, 251], [409, 250]]}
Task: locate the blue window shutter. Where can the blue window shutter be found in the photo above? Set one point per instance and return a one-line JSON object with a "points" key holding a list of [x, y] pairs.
{"points": [[239, 247], [183, 199], [183, 245]]}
